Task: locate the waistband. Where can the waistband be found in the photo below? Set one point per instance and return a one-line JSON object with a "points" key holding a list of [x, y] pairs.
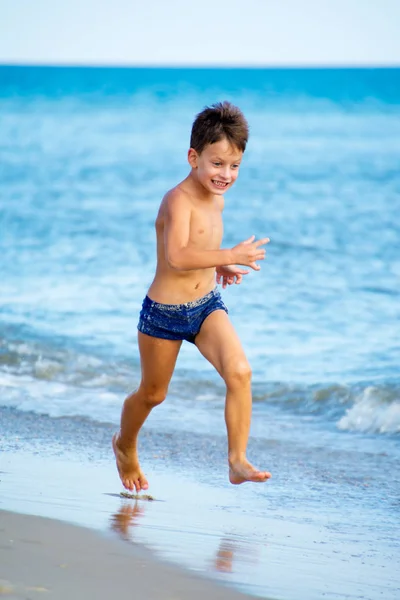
{"points": [[193, 304]]}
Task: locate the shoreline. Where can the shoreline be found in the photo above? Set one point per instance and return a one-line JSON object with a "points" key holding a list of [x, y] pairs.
{"points": [[243, 538], [69, 510], [41, 555]]}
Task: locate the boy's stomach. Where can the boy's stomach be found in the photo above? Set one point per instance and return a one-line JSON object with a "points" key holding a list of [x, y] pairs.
{"points": [[178, 287]]}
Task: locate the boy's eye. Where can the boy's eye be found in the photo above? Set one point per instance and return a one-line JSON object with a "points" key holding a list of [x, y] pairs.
{"points": [[235, 166], [217, 164]]}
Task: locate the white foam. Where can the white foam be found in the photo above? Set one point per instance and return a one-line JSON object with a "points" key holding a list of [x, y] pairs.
{"points": [[373, 411], [57, 399]]}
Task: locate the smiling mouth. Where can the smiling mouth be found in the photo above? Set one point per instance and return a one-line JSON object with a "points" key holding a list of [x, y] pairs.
{"points": [[220, 184]]}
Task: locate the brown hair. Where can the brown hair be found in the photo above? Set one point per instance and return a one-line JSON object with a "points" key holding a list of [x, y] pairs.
{"points": [[218, 121]]}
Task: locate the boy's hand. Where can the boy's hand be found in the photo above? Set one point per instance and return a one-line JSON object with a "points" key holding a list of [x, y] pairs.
{"points": [[230, 274], [248, 252]]}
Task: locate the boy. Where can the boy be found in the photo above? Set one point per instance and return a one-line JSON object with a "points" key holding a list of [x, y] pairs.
{"points": [[182, 301]]}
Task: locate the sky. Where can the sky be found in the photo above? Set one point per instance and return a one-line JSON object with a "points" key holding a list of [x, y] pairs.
{"points": [[201, 33]]}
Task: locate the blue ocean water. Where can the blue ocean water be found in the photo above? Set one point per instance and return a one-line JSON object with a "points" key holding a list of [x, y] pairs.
{"points": [[86, 155]]}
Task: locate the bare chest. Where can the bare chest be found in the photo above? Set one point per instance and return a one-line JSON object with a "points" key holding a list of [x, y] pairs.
{"points": [[206, 228]]}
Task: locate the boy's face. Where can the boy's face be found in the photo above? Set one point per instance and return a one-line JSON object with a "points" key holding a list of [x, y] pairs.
{"points": [[216, 168]]}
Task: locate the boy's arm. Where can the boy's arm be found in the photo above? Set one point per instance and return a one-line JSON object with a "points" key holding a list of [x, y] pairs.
{"points": [[183, 257], [179, 254]]}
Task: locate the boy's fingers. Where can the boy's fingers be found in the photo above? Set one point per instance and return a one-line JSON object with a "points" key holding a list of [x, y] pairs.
{"points": [[250, 240], [261, 242]]}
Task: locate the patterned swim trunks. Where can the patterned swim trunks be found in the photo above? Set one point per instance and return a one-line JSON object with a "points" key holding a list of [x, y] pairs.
{"points": [[178, 321]]}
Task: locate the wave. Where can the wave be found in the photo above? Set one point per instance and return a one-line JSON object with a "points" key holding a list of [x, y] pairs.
{"points": [[362, 407], [39, 377], [375, 410], [46, 361]]}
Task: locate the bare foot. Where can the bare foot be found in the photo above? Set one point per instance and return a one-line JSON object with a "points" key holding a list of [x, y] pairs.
{"points": [[128, 467], [241, 471]]}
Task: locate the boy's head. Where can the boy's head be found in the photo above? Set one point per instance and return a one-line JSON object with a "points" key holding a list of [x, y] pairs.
{"points": [[217, 122], [219, 136]]}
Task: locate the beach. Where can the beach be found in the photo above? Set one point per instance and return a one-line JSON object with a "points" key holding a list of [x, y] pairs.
{"points": [[65, 472], [86, 156], [47, 557]]}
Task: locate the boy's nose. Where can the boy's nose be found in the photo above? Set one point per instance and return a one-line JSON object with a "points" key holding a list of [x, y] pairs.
{"points": [[226, 173]]}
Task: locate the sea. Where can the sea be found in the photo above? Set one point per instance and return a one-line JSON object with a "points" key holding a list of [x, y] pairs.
{"points": [[86, 155]]}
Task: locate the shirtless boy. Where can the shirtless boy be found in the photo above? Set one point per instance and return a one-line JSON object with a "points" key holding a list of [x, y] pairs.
{"points": [[183, 303]]}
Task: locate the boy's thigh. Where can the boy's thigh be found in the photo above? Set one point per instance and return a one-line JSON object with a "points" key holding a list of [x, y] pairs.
{"points": [[158, 358], [219, 343]]}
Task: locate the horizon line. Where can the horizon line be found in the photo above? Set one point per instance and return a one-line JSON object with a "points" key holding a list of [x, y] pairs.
{"points": [[133, 65]]}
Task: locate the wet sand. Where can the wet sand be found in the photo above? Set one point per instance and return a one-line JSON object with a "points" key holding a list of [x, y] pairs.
{"points": [[42, 557], [199, 531]]}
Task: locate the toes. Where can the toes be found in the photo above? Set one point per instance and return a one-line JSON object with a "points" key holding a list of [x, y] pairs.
{"points": [[143, 483], [263, 476], [128, 484]]}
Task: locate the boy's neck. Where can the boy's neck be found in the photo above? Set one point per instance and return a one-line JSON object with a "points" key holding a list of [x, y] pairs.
{"points": [[199, 191]]}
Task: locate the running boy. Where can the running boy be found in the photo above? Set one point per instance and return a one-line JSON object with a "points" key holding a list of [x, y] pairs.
{"points": [[182, 301]]}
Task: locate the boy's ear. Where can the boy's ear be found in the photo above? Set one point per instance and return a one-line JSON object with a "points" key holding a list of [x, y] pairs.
{"points": [[192, 158]]}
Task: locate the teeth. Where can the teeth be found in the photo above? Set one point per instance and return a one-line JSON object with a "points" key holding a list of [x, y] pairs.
{"points": [[220, 183]]}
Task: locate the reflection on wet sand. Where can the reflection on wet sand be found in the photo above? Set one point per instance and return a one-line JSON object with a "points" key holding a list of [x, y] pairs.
{"points": [[234, 549], [126, 516], [224, 558], [229, 549]]}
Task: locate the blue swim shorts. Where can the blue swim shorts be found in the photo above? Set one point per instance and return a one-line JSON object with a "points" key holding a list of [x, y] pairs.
{"points": [[178, 321]]}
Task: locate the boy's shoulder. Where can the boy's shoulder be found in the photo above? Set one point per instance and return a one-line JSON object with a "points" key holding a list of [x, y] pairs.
{"points": [[178, 195], [183, 200], [182, 194]]}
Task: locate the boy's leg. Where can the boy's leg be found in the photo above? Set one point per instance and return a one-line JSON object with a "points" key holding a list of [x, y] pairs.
{"points": [[219, 343], [158, 359]]}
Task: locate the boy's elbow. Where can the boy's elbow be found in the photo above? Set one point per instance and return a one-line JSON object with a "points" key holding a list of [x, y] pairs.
{"points": [[174, 261]]}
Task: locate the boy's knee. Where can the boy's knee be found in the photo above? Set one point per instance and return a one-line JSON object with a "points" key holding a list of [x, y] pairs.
{"points": [[154, 396], [238, 375]]}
